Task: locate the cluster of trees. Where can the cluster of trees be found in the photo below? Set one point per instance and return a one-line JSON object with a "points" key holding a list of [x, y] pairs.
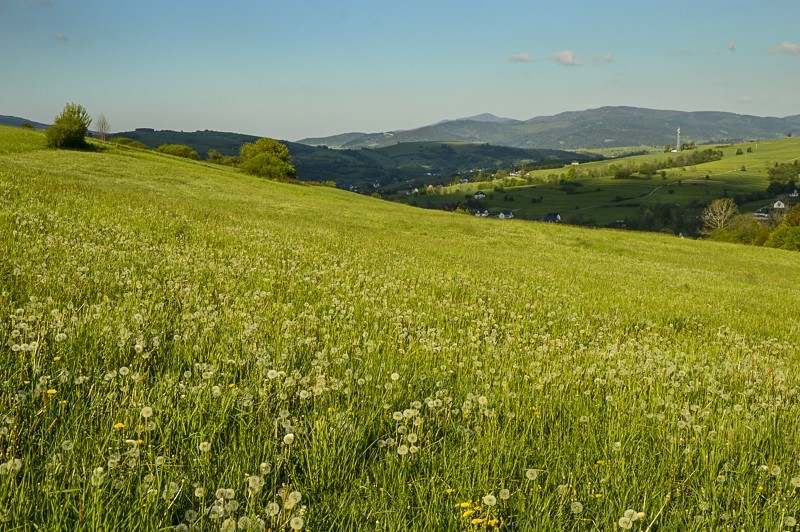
{"points": [[265, 157], [783, 177], [722, 221]]}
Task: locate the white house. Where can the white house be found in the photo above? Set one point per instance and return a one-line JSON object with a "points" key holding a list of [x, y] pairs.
{"points": [[779, 205], [793, 194], [479, 195], [505, 215]]}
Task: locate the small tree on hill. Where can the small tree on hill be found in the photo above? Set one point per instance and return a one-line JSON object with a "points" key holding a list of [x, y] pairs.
{"points": [[267, 158], [102, 126], [718, 215], [69, 128]]}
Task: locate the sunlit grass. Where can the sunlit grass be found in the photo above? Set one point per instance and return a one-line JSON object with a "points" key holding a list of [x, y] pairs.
{"points": [[186, 346]]}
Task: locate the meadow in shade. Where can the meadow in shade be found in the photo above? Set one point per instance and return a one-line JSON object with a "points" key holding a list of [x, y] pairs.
{"points": [[188, 348]]}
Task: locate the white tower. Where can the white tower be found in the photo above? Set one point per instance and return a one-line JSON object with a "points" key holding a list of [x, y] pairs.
{"points": [[678, 145]]}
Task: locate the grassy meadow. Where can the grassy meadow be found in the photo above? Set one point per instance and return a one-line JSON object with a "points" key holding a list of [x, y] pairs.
{"points": [[189, 348]]}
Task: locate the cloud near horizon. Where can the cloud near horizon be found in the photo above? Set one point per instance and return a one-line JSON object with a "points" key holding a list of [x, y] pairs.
{"points": [[786, 47], [731, 46], [527, 57], [568, 58], [60, 37]]}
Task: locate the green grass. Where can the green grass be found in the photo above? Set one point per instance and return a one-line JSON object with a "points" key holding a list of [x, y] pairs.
{"points": [[172, 323]]}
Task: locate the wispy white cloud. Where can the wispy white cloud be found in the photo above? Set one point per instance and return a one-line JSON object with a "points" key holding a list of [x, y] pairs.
{"points": [[60, 37], [527, 57], [731, 46], [786, 47], [566, 58]]}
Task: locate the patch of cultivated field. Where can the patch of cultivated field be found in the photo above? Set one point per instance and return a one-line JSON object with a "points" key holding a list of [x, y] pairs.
{"points": [[185, 347]]}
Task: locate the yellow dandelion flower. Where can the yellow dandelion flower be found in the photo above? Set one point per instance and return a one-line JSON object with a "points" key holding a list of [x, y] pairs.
{"points": [[56, 359], [493, 522], [477, 520], [62, 402], [465, 504], [51, 391], [468, 513], [449, 491], [119, 426]]}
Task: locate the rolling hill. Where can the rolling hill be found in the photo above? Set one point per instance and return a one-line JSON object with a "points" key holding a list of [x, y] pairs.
{"points": [[189, 346], [574, 130], [363, 168]]}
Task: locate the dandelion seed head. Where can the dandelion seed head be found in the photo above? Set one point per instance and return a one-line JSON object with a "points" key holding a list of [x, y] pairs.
{"points": [[146, 412], [576, 507]]}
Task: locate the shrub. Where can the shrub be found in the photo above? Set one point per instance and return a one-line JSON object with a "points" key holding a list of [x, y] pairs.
{"points": [[69, 129], [131, 143], [268, 158], [179, 150]]}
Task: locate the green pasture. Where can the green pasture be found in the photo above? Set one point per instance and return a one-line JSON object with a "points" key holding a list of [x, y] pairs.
{"points": [[604, 200], [186, 347]]}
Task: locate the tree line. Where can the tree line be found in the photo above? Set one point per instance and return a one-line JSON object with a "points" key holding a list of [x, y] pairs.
{"points": [[265, 157]]}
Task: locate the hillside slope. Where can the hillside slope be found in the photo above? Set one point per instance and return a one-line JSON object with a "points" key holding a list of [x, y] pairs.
{"points": [[188, 345]]}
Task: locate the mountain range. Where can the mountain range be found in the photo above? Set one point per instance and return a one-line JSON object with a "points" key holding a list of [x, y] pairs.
{"points": [[575, 130]]}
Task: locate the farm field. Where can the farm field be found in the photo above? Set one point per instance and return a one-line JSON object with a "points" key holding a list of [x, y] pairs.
{"points": [[189, 348], [605, 200]]}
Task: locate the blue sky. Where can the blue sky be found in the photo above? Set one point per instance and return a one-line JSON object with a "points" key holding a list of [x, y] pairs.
{"points": [[301, 68]]}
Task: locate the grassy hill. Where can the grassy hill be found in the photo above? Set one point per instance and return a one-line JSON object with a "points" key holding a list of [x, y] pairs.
{"points": [[394, 166], [184, 344], [604, 200]]}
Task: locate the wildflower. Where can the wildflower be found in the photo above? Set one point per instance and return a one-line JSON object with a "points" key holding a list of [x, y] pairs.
{"points": [[789, 521], [531, 474], [477, 521], [489, 500], [397, 416], [66, 445], [273, 509], [146, 412], [228, 525], [199, 492], [492, 522], [617, 446], [288, 439], [51, 392], [204, 447], [625, 523], [576, 507], [795, 482], [505, 494], [394, 376], [292, 499], [255, 483], [465, 504], [119, 426], [297, 523], [402, 450]]}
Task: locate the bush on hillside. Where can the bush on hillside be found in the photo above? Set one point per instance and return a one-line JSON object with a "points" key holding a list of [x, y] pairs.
{"points": [[131, 143], [267, 158], [179, 150], [787, 235], [69, 129]]}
